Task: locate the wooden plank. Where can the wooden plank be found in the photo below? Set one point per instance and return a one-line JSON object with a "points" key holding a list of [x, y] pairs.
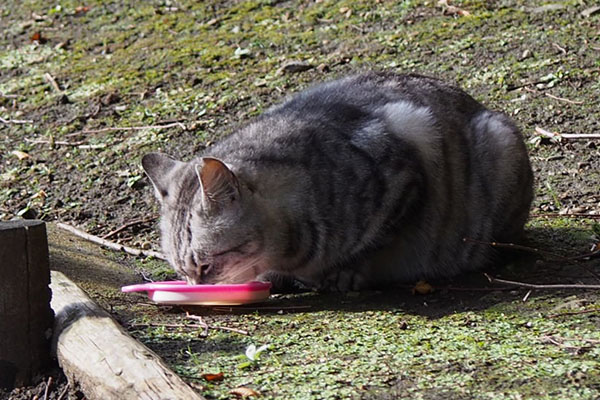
{"points": [[98, 355], [25, 314]]}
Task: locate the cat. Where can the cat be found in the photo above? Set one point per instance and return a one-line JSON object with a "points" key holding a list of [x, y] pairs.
{"points": [[352, 184]]}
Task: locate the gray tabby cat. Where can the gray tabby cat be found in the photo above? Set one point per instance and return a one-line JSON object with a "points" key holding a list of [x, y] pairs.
{"points": [[355, 183]]}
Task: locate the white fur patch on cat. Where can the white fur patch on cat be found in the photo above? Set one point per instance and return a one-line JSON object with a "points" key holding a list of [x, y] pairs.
{"points": [[415, 124]]}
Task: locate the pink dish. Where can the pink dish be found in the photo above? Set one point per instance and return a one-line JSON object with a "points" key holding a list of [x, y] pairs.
{"points": [[179, 292]]}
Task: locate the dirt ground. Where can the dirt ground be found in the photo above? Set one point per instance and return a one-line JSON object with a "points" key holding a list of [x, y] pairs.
{"points": [[88, 87]]}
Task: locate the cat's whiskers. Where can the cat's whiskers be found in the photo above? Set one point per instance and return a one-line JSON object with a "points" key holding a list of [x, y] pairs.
{"points": [[232, 274]]}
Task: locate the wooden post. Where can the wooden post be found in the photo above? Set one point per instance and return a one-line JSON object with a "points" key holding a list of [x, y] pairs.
{"points": [[98, 355], [25, 314]]}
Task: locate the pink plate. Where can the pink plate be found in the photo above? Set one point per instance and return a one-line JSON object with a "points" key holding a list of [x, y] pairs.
{"points": [[179, 292]]}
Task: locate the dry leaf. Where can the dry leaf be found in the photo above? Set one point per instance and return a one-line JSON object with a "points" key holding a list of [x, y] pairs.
{"points": [[39, 195], [37, 37], [81, 9], [452, 10], [422, 287], [21, 155], [213, 377], [244, 392]]}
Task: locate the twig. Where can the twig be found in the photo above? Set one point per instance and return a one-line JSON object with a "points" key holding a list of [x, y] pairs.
{"points": [[563, 99], [224, 328], [50, 79], [520, 247], [64, 392], [568, 215], [128, 128], [128, 225], [166, 325], [552, 96], [15, 121], [109, 244], [560, 342], [467, 289], [79, 144], [540, 286], [527, 296], [555, 341], [231, 309], [8, 96], [561, 49], [576, 339], [193, 326], [574, 313], [555, 135], [47, 388], [145, 278]]}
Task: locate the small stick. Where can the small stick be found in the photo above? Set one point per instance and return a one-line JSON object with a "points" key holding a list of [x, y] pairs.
{"points": [[526, 296], [563, 99], [79, 145], [109, 244], [576, 339], [540, 286], [231, 309], [574, 313], [224, 328], [129, 128], [64, 392], [15, 121], [47, 388], [166, 325], [570, 215], [555, 135], [561, 49], [543, 253], [8, 96], [50, 79], [553, 96], [473, 289], [519, 247], [128, 225]]}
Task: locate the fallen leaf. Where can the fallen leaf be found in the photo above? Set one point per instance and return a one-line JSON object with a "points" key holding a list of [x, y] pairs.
{"points": [[452, 10], [212, 21], [422, 287], [81, 10], [21, 155], [244, 392], [40, 195], [37, 37], [346, 11], [253, 353], [213, 377]]}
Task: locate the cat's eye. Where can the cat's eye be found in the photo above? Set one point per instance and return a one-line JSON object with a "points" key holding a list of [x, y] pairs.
{"points": [[235, 249]]}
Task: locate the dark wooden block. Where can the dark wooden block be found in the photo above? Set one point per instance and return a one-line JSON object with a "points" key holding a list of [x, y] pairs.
{"points": [[25, 314]]}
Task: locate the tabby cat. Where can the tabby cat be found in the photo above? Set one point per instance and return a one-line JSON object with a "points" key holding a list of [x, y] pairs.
{"points": [[355, 183]]}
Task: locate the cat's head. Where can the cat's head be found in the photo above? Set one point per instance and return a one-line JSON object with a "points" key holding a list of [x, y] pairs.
{"points": [[210, 224]]}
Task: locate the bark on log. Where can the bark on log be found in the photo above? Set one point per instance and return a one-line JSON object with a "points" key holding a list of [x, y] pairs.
{"points": [[98, 355], [25, 313]]}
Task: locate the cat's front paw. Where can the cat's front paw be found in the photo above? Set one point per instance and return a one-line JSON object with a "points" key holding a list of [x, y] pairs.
{"points": [[283, 283], [344, 280]]}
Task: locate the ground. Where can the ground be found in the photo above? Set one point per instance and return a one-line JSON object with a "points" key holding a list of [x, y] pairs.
{"points": [[87, 88]]}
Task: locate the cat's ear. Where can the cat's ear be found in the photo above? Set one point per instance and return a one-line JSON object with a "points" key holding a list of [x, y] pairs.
{"points": [[220, 186], [159, 168]]}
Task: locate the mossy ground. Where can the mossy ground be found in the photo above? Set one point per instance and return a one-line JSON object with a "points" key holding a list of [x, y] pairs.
{"points": [[211, 66]]}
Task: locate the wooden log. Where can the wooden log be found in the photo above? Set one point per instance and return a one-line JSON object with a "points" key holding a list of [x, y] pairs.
{"points": [[25, 313], [98, 355]]}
